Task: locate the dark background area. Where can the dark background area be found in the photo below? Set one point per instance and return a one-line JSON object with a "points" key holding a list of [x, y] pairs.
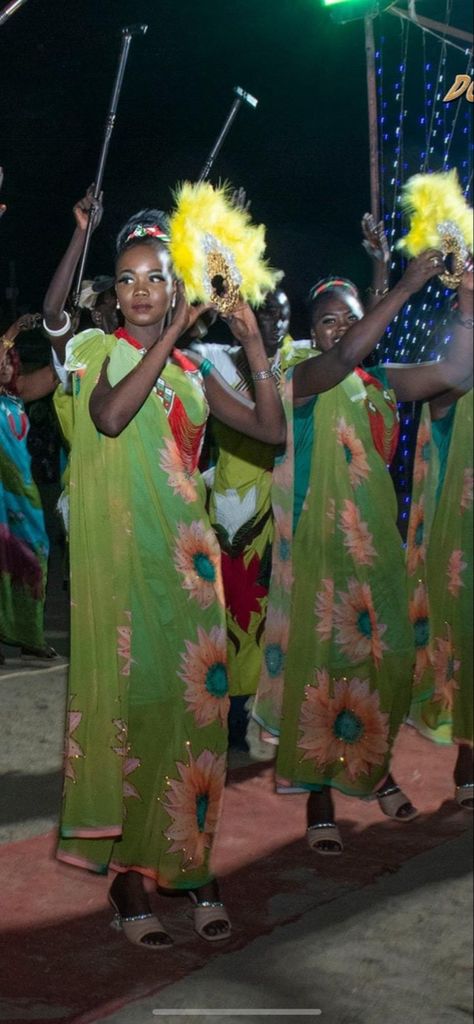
{"points": [[302, 155]]}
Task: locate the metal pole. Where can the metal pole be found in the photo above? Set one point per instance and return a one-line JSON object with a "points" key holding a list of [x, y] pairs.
{"points": [[13, 6], [241, 97], [373, 120], [127, 35]]}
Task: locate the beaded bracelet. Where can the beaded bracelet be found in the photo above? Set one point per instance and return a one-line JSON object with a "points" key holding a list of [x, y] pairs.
{"points": [[61, 330], [262, 375], [206, 368], [7, 342]]}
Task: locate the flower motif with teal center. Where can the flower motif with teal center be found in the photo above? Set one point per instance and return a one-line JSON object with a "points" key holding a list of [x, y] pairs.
{"points": [[446, 667], [203, 669], [422, 453], [358, 630], [284, 550], [202, 806], [416, 536], [354, 452], [419, 617], [357, 537], [197, 560], [217, 682], [179, 478], [347, 729], [277, 633], [193, 802], [282, 569], [274, 659]]}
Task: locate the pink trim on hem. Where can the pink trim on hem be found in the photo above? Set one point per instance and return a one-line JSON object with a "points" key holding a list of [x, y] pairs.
{"points": [[79, 862], [93, 833]]}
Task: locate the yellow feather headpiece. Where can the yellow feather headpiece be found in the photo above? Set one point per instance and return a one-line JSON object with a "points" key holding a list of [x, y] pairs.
{"points": [[440, 218], [216, 250]]}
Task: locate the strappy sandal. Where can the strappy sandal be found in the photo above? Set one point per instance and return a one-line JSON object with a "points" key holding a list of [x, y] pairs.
{"points": [[207, 912], [324, 832], [137, 928], [463, 793], [392, 800]]}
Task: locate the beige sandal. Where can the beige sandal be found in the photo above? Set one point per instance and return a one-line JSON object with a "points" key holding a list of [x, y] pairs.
{"points": [[392, 800], [207, 912], [324, 832], [138, 927], [464, 793]]}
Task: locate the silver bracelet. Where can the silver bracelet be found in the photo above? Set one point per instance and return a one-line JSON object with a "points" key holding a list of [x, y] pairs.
{"points": [[61, 330], [262, 375]]}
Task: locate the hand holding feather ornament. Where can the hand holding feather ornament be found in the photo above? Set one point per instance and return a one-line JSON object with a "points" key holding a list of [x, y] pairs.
{"points": [[440, 218], [216, 250]]}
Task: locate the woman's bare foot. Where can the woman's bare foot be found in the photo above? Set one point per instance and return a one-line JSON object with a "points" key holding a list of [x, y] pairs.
{"points": [[320, 811], [208, 896], [129, 898], [389, 788]]}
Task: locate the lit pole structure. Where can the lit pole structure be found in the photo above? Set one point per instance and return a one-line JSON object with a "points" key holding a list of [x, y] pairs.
{"points": [[127, 36]]}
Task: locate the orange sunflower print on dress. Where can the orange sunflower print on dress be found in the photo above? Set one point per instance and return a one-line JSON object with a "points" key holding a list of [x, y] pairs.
{"points": [[343, 688], [354, 452], [357, 630], [197, 559], [193, 803], [348, 727], [178, 476], [205, 673], [441, 582]]}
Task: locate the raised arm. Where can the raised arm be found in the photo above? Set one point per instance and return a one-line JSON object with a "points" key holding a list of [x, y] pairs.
{"points": [[112, 408], [54, 313], [376, 246], [263, 419], [314, 376], [424, 381]]}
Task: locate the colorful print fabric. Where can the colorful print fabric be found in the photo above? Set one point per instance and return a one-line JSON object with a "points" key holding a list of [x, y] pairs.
{"points": [[335, 686], [439, 559], [23, 538], [148, 688]]}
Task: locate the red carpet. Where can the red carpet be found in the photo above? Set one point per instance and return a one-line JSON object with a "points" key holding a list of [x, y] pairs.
{"points": [[65, 964]]}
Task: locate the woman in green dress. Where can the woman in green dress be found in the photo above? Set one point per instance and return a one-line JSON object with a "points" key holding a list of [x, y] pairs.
{"points": [[339, 644], [439, 559], [147, 735]]}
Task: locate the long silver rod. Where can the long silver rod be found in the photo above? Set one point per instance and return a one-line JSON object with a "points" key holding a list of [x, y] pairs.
{"points": [[127, 35], [13, 6]]}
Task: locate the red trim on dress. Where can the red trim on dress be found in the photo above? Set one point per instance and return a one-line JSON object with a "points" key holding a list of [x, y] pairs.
{"points": [[188, 437]]}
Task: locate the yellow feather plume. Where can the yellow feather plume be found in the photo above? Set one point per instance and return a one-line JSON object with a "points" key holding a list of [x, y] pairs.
{"points": [[432, 200], [204, 218]]}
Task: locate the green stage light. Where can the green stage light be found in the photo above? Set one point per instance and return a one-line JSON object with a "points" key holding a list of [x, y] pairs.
{"points": [[350, 10]]}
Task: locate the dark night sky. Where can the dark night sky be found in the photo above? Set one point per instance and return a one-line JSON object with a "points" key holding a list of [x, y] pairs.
{"points": [[302, 156]]}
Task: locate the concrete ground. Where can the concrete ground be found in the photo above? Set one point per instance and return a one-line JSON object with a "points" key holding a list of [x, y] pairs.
{"points": [[399, 950]]}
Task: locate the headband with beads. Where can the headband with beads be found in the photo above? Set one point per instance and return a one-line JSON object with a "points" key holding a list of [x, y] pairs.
{"points": [[152, 231], [329, 284]]}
